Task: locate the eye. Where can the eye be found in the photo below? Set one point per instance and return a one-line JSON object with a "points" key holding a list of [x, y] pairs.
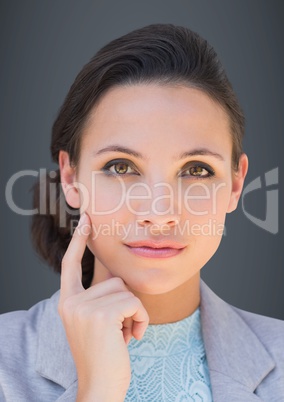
{"points": [[119, 167], [198, 170]]}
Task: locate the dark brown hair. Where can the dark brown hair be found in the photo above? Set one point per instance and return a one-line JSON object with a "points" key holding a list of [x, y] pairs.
{"points": [[158, 53]]}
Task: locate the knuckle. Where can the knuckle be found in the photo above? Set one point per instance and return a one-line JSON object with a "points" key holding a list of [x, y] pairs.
{"points": [[129, 294], [83, 312], [137, 301], [138, 304], [118, 281], [100, 316], [66, 307]]}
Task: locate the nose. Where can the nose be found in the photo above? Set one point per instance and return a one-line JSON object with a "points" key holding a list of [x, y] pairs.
{"points": [[158, 221], [158, 225], [158, 212]]}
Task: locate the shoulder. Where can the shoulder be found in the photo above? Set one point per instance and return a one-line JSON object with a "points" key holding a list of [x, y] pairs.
{"points": [[18, 336], [242, 345], [269, 330], [19, 342], [17, 328], [224, 317]]}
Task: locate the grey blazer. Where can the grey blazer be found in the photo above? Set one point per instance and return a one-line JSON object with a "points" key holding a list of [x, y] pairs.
{"points": [[245, 354]]}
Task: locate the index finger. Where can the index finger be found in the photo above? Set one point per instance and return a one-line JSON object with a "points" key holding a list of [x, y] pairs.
{"points": [[71, 266]]}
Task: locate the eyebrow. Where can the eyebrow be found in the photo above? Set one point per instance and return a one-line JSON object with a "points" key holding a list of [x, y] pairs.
{"points": [[117, 148], [125, 150], [201, 151]]}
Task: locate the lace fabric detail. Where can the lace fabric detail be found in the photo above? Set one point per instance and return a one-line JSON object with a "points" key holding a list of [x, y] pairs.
{"points": [[169, 364]]}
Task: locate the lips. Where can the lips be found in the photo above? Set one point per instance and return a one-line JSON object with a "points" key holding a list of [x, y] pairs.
{"points": [[154, 249], [153, 244]]}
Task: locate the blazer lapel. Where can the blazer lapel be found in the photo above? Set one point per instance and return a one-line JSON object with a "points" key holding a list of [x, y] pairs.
{"points": [[70, 393], [237, 360]]}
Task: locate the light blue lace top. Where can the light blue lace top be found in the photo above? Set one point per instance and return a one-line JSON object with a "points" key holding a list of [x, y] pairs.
{"points": [[169, 364]]}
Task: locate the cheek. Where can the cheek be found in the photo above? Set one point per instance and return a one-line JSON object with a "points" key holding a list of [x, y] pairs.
{"points": [[104, 196], [202, 201], [107, 229], [106, 241]]}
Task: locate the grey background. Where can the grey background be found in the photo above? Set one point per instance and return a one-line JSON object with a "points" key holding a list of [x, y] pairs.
{"points": [[44, 44]]}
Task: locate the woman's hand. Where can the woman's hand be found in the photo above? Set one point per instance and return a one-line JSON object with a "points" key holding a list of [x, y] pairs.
{"points": [[99, 322]]}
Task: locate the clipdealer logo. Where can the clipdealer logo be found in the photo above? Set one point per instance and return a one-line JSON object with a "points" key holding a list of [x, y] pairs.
{"points": [[271, 221]]}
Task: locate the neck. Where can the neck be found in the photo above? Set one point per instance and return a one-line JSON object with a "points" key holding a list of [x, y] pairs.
{"points": [[175, 305]]}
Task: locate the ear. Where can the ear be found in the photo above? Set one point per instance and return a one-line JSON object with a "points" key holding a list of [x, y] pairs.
{"points": [[68, 180], [238, 179]]}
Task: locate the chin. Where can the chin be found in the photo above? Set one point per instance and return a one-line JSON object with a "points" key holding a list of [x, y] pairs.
{"points": [[151, 286]]}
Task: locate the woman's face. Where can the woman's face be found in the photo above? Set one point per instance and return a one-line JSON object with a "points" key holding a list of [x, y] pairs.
{"points": [[155, 164]]}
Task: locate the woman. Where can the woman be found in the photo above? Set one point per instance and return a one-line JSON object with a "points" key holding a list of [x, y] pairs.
{"points": [[149, 147]]}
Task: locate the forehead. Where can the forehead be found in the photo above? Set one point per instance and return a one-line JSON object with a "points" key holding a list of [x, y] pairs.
{"points": [[169, 115]]}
